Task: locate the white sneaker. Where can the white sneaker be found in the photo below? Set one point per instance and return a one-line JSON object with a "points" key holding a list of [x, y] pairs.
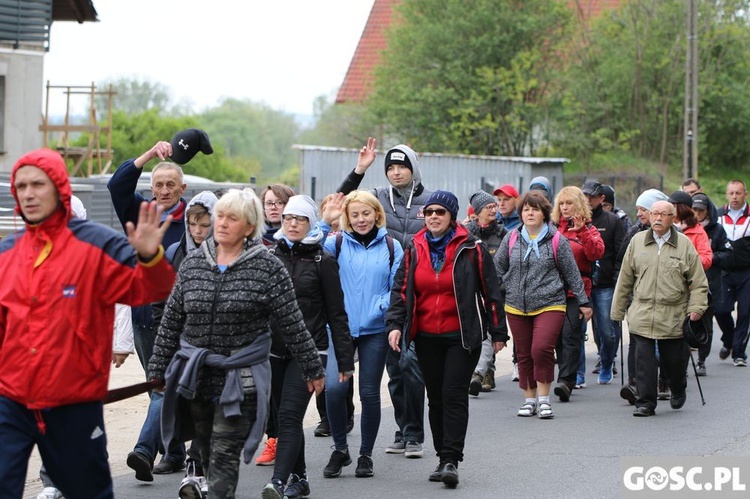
{"points": [[193, 487], [50, 493], [514, 377]]}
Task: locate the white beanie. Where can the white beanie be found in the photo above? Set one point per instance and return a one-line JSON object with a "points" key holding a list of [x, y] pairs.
{"points": [[649, 197], [302, 205]]}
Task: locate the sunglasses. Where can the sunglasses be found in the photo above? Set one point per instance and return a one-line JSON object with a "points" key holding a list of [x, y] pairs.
{"points": [[437, 211]]}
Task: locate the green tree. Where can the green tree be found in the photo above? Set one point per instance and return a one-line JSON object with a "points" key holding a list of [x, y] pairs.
{"points": [[469, 76], [133, 95]]}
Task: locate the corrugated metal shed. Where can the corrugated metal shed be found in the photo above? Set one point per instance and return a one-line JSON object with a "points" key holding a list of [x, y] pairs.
{"points": [[323, 168]]}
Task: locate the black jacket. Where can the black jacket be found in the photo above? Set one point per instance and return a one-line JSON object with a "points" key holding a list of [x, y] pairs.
{"points": [[317, 285], [613, 232], [478, 298], [491, 235]]}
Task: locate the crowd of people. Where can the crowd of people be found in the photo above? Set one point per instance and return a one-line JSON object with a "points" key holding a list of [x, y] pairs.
{"points": [[244, 306]]}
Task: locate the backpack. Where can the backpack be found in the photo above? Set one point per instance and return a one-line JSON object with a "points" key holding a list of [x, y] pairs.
{"points": [[388, 241]]}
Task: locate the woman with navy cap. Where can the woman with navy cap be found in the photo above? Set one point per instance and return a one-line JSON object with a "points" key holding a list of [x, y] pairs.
{"points": [[446, 299]]}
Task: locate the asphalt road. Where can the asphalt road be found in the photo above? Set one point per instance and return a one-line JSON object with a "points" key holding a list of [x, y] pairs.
{"points": [[577, 454]]}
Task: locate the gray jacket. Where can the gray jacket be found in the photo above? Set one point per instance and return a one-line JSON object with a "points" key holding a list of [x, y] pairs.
{"points": [[536, 283]]}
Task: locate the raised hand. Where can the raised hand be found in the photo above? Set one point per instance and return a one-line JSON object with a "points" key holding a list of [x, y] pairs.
{"points": [[366, 156], [146, 237], [332, 209]]}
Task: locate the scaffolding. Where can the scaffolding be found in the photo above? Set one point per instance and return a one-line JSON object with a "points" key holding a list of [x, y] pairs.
{"points": [[98, 160]]}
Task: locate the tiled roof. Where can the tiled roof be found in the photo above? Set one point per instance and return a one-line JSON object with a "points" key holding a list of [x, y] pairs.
{"points": [[359, 78]]}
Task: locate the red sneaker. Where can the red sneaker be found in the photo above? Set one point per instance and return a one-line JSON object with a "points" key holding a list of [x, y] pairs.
{"points": [[268, 456]]}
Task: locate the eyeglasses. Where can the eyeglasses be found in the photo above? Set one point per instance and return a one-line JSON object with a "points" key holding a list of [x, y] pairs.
{"points": [[658, 214], [437, 211], [277, 204], [297, 218]]}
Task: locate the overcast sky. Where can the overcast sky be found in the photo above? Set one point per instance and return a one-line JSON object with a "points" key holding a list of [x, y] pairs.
{"points": [[281, 52]]}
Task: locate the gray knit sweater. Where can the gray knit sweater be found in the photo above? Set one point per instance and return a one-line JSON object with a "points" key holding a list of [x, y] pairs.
{"points": [[225, 312], [535, 283]]}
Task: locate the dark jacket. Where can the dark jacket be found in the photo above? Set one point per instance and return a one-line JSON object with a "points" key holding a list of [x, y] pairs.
{"points": [[721, 248], [317, 286], [491, 235], [127, 203], [226, 312], [476, 286], [613, 232], [634, 229]]}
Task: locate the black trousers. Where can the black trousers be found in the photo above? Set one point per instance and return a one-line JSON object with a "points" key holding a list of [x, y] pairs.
{"points": [[673, 360], [447, 368], [568, 349]]}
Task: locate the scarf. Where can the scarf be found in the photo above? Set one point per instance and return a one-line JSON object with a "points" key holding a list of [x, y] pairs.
{"points": [[437, 247], [533, 244]]}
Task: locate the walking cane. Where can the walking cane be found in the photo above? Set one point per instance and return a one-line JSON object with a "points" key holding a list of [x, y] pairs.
{"points": [[622, 361], [697, 379]]}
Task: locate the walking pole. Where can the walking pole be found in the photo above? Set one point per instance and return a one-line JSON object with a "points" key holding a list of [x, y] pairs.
{"points": [[697, 379], [622, 361]]}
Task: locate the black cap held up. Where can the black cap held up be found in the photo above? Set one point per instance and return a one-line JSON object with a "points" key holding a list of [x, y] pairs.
{"points": [[187, 143]]}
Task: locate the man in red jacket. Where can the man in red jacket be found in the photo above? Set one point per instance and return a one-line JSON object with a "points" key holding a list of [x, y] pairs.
{"points": [[60, 281]]}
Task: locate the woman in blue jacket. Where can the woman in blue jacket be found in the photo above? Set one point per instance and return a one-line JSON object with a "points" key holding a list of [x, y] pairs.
{"points": [[368, 259]]}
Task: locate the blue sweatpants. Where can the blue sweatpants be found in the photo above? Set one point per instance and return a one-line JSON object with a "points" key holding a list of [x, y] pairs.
{"points": [[73, 449]]}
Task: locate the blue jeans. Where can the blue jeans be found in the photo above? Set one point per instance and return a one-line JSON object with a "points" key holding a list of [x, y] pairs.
{"points": [[372, 350], [73, 449], [604, 328], [143, 340], [149, 441], [406, 386]]}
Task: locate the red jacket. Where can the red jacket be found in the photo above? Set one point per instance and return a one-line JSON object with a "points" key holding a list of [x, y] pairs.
{"points": [[587, 246], [60, 282]]}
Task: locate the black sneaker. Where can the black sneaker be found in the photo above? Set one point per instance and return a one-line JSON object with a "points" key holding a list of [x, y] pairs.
{"points": [[628, 392], [562, 390], [475, 386], [323, 429], [449, 476], [724, 353], [436, 475], [298, 487], [364, 467], [338, 460]]}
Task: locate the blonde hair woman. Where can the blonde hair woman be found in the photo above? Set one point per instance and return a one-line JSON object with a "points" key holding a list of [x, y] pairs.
{"points": [[368, 259], [572, 216]]}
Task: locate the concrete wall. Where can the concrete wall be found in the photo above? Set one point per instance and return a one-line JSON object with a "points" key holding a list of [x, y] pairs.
{"points": [[24, 84]]}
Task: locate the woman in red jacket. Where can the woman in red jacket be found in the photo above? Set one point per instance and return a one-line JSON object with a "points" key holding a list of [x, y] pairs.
{"points": [[685, 221], [446, 298], [572, 216]]}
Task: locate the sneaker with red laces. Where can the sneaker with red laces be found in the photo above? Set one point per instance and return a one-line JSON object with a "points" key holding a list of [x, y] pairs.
{"points": [[268, 456]]}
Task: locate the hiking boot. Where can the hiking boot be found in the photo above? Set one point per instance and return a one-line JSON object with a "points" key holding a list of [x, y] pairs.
{"points": [[514, 376], [323, 429], [476, 384], [436, 475], [338, 460], [268, 456], [298, 487], [50, 493], [724, 353], [449, 476], [274, 490], [165, 467], [364, 467], [397, 447], [193, 487], [629, 393], [413, 450], [662, 390], [700, 369], [141, 465], [677, 400], [488, 382], [562, 390]]}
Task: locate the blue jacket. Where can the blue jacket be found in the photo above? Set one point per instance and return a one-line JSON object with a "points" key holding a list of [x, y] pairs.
{"points": [[366, 280], [127, 202]]}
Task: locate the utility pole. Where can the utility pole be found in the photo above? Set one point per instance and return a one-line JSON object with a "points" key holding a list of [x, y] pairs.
{"points": [[690, 154]]}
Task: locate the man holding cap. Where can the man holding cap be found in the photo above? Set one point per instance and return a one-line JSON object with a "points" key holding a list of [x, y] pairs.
{"points": [[403, 201], [604, 278], [506, 196]]}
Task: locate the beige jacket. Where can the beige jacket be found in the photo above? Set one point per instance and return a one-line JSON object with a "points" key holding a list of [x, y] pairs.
{"points": [[667, 285]]}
